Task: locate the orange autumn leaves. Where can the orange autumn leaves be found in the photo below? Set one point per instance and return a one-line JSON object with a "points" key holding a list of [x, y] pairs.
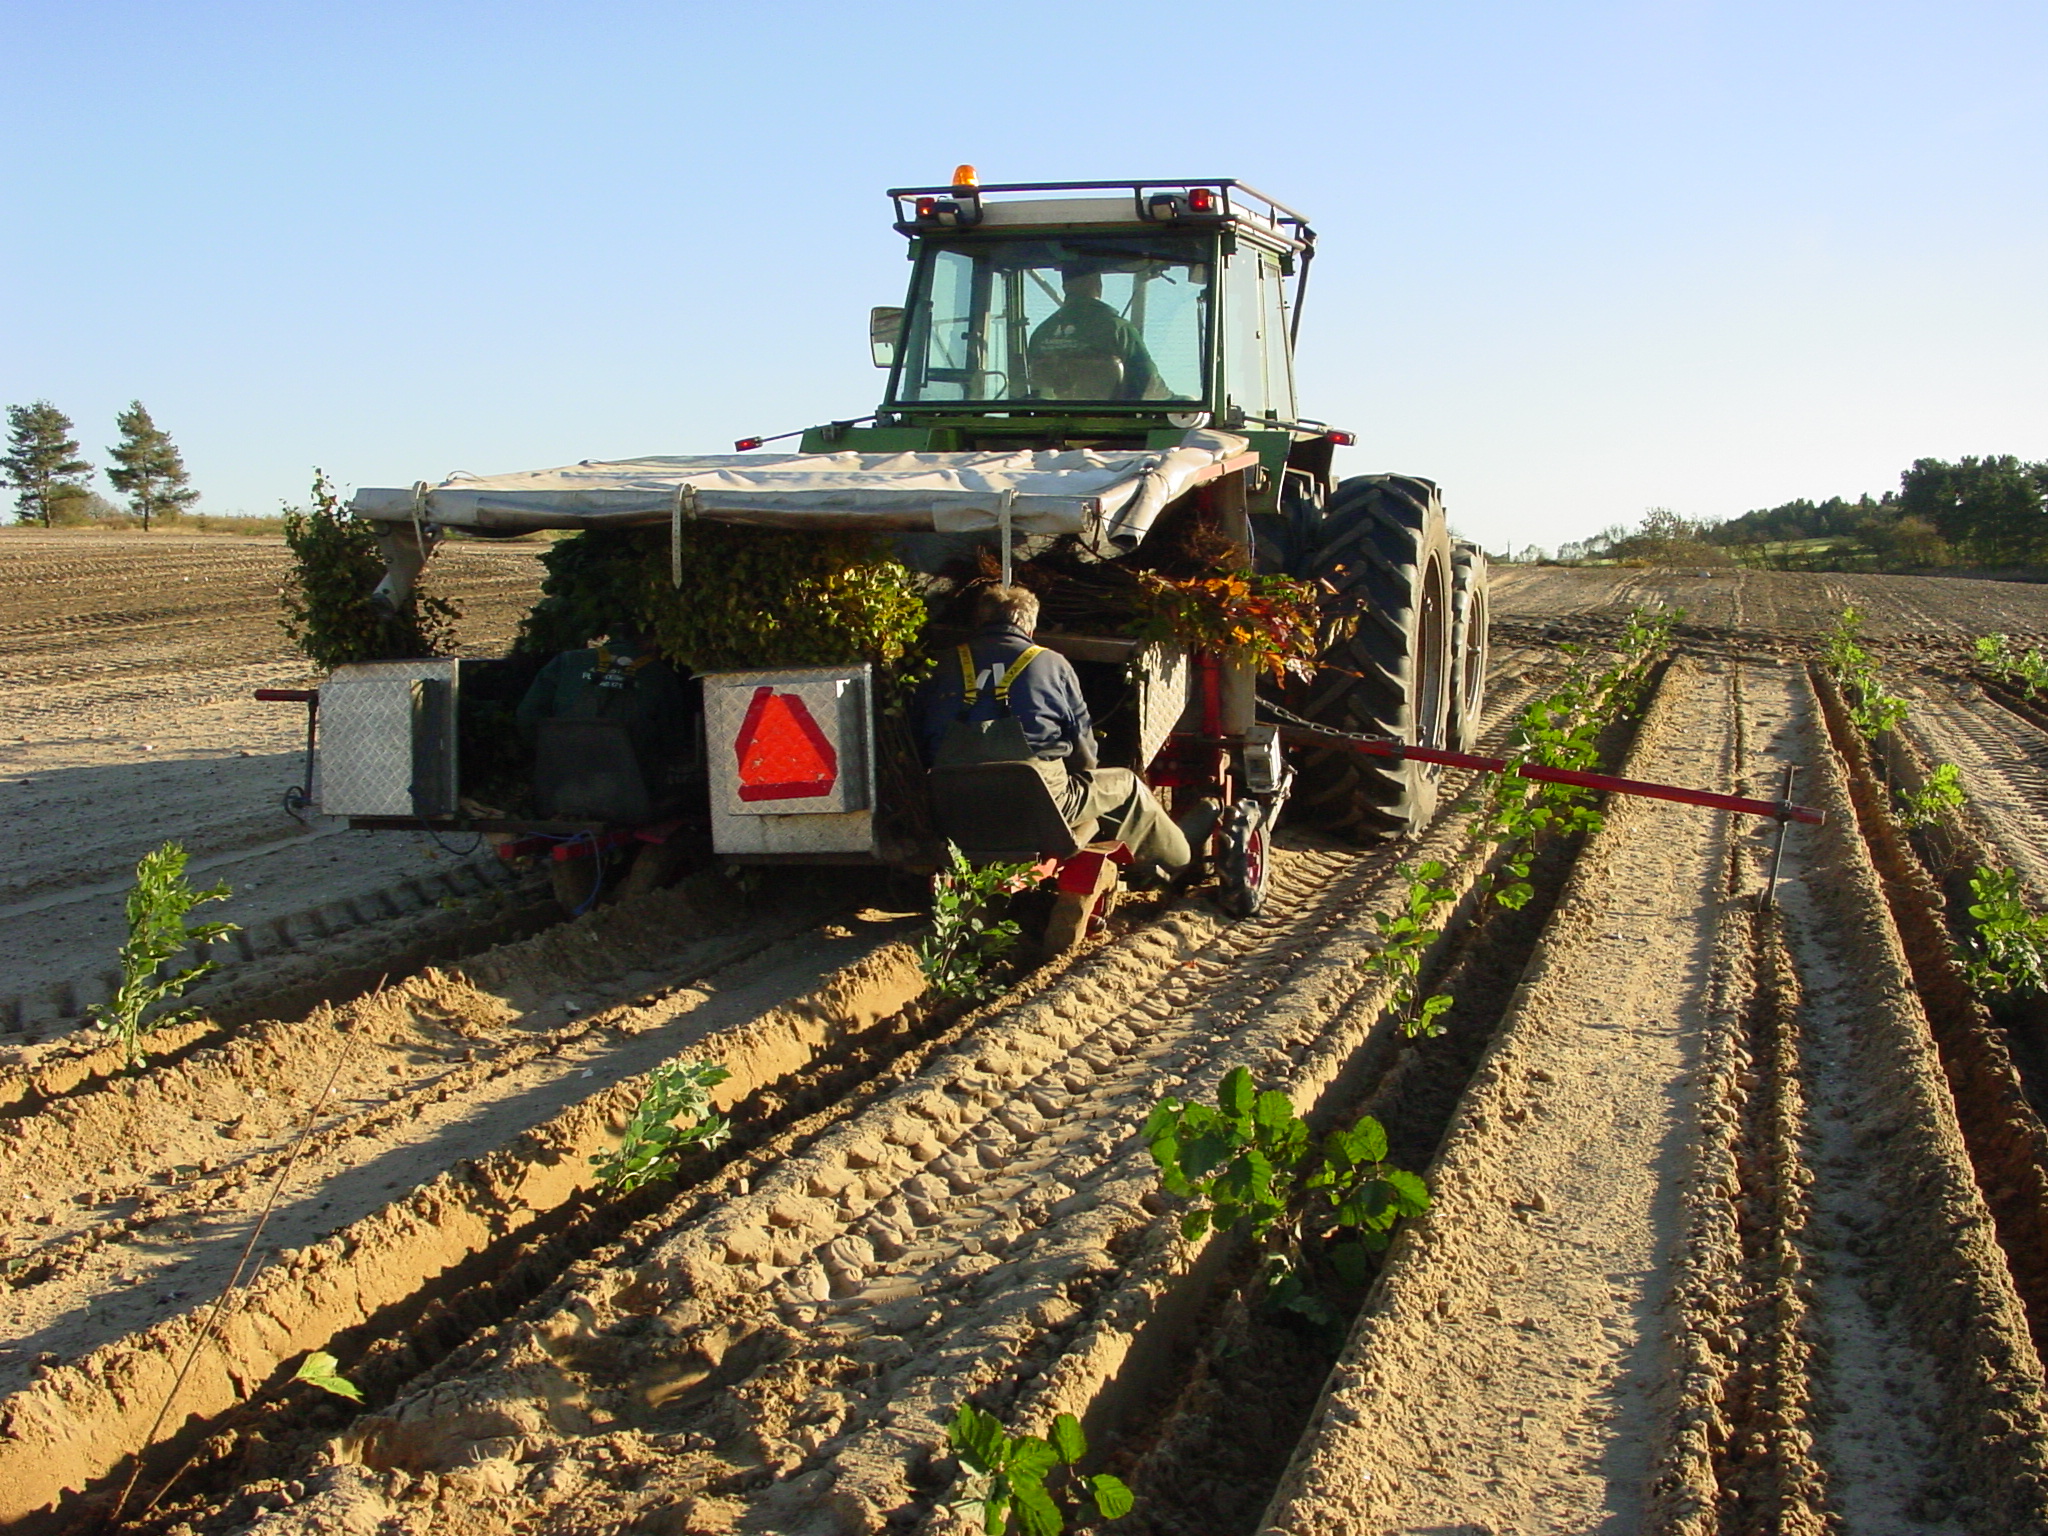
{"points": [[1268, 621]]}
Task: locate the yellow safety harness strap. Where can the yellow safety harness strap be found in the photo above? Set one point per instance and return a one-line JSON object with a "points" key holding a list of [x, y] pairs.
{"points": [[1016, 671], [605, 659], [971, 694]]}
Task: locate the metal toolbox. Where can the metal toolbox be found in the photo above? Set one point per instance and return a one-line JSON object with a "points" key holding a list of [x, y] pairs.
{"points": [[387, 742]]}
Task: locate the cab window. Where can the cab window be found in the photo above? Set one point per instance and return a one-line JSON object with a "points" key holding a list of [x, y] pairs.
{"points": [[1257, 370], [1108, 319]]}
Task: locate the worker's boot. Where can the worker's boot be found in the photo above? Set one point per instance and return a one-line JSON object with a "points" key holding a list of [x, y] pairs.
{"points": [[1197, 825]]}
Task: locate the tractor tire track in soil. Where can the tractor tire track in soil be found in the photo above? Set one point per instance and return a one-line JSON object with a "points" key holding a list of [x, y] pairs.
{"points": [[979, 1215], [1707, 1254], [127, 668]]}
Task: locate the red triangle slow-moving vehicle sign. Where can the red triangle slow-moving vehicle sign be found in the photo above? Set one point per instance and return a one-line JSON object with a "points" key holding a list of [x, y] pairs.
{"points": [[783, 754]]}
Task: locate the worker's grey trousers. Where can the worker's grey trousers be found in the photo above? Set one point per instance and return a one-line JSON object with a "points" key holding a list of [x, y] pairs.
{"points": [[1128, 812]]}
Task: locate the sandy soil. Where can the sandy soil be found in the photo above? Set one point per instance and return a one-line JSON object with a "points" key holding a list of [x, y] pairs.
{"points": [[127, 665], [1776, 605], [1737, 1220], [1707, 1235]]}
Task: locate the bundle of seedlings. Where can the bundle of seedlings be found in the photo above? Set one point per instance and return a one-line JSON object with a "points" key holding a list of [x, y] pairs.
{"points": [[328, 612]]}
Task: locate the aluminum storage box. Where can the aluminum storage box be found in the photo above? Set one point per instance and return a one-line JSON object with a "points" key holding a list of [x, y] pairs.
{"points": [[387, 739]]}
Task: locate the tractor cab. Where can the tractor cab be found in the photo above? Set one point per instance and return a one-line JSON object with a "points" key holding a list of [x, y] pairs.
{"points": [[1104, 315]]}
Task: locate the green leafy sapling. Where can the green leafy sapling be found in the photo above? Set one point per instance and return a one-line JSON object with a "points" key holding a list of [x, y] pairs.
{"points": [[2008, 949], [1872, 710], [2027, 671], [322, 1370], [962, 956], [158, 932], [673, 1115], [1309, 1202], [1006, 1474], [1939, 796], [1562, 730], [1404, 938]]}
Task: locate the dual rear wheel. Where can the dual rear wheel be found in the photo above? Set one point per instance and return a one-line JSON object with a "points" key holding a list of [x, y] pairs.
{"points": [[1404, 655]]}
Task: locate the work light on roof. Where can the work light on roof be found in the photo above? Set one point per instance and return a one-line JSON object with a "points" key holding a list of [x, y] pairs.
{"points": [[1195, 202], [961, 211], [964, 176]]}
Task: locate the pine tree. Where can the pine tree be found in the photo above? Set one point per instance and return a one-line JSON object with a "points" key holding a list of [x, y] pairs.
{"points": [[41, 461], [148, 468]]}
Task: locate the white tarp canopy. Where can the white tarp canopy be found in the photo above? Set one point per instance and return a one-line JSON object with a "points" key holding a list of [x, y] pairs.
{"points": [[1043, 492]]}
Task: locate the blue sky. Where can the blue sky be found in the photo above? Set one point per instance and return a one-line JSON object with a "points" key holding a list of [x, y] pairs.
{"points": [[1577, 260]]}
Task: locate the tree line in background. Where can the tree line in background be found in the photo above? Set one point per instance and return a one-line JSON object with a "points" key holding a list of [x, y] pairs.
{"points": [[53, 485], [1988, 512]]}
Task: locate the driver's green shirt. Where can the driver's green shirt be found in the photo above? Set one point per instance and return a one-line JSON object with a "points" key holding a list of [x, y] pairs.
{"points": [[1085, 329]]}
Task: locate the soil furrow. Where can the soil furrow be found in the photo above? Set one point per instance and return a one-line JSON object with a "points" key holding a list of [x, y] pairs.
{"points": [[2007, 1140], [1506, 1371], [130, 1196], [1750, 1135], [77, 1422]]}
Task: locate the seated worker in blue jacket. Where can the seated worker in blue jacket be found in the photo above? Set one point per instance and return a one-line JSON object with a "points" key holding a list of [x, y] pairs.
{"points": [[1044, 721]]}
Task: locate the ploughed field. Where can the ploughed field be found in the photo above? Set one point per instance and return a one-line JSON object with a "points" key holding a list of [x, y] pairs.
{"points": [[127, 669], [1738, 1212]]}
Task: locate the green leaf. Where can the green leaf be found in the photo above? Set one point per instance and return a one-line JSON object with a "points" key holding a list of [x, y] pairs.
{"points": [[1410, 1194], [1366, 1142], [1426, 1016], [1351, 1262], [1164, 1119], [1236, 1094], [1202, 1153], [1036, 1511], [1067, 1438], [320, 1369], [1272, 1111], [1112, 1499], [1030, 1459], [1194, 1224], [978, 1439]]}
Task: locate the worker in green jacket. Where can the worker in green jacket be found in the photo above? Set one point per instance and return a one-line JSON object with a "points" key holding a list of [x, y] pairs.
{"points": [[623, 679], [1085, 350]]}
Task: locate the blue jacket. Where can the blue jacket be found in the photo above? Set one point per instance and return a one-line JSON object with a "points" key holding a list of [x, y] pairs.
{"points": [[1046, 699]]}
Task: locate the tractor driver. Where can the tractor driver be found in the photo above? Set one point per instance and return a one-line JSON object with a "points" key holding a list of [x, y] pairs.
{"points": [[1036, 714], [1085, 350]]}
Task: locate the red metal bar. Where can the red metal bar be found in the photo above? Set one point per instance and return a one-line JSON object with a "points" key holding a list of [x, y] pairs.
{"points": [[288, 695], [1776, 810]]}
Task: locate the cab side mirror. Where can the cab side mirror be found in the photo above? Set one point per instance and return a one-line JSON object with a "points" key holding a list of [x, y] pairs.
{"points": [[885, 328]]}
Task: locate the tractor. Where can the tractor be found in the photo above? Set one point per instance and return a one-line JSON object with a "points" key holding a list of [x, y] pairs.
{"points": [[1081, 376]]}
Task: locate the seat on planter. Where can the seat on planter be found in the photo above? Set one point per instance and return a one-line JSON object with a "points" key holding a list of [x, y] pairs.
{"points": [[1003, 813], [587, 770]]}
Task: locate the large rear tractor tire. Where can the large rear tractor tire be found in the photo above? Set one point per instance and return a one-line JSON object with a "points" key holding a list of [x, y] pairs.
{"points": [[1387, 660], [1470, 618]]}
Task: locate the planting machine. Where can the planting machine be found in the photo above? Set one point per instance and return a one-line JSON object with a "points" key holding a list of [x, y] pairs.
{"points": [[1081, 370]]}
